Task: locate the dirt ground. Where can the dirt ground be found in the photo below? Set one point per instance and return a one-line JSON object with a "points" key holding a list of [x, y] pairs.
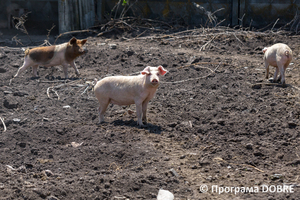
{"points": [[215, 121]]}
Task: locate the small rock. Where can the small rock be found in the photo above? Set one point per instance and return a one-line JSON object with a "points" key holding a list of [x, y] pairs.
{"points": [[188, 123], [164, 195], [32, 98], [28, 166], [48, 173], [41, 192], [75, 144], [16, 65], [22, 169], [7, 92], [209, 178], [22, 144], [28, 184], [280, 156], [172, 124], [52, 198], [2, 70], [16, 120], [59, 131], [166, 159], [174, 172], [221, 122], [10, 103], [130, 53], [112, 46], [45, 119], [256, 86], [276, 176], [20, 94], [249, 146], [67, 106], [258, 153], [292, 124], [182, 156], [2, 55], [130, 112], [204, 163]]}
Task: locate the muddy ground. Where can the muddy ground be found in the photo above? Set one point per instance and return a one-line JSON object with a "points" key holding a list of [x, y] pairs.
{"points": [[215, 120]]}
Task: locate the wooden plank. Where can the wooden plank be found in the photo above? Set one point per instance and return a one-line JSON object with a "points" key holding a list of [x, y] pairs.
{"points": [[242, 13], [234, 12], [76, 14], [99, 10]]}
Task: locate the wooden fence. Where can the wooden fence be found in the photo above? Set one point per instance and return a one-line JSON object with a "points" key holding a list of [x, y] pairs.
{"points": [[71, 15]]}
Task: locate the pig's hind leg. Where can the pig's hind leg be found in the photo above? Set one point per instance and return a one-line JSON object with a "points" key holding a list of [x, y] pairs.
{"points": [[275, 78], [25, 65], [282, 75], [34, 70]]}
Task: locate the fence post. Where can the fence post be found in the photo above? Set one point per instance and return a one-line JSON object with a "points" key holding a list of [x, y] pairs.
{"points": [[242, 12], [235, 12]]}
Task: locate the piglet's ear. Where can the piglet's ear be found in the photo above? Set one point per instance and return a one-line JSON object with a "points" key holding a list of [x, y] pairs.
{"points": [[146, 71], [73, 41], [161, 70], [265, 49], [83, 41]]}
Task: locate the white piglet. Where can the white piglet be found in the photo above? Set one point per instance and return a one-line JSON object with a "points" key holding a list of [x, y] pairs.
{"points": [[127, 90], [279, 56]]}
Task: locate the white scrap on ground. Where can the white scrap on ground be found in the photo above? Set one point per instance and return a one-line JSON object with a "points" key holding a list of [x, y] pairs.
{"points": [[164, 195]]}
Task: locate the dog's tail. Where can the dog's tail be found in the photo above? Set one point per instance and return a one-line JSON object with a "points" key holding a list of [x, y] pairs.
{"points": [[27, 52]]}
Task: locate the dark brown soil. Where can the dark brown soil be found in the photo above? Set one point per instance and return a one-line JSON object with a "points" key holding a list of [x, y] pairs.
{"points": [[215, 120]]}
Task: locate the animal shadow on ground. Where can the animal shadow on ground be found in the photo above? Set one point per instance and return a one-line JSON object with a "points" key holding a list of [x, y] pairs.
{"points": [[34, 78], [52, 78], [132, 123]]}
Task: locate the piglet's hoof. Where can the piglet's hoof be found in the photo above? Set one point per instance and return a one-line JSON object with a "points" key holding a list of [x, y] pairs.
{"points": [[101, 123], [144, 126], [273, 81]]}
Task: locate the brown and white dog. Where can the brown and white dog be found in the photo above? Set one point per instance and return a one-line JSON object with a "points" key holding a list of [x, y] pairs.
{"points": [[63, 54]]}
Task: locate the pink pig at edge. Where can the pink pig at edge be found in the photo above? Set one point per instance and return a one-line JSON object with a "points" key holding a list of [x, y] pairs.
{"points": [[127, 90], [279, 55]]}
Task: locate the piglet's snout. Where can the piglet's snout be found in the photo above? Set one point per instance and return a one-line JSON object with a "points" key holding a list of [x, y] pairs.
{"points": [[154, 81], [84, 50]]}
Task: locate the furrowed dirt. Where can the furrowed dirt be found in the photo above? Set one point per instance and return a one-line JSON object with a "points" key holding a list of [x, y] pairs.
{"points": [[214, 120]]}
